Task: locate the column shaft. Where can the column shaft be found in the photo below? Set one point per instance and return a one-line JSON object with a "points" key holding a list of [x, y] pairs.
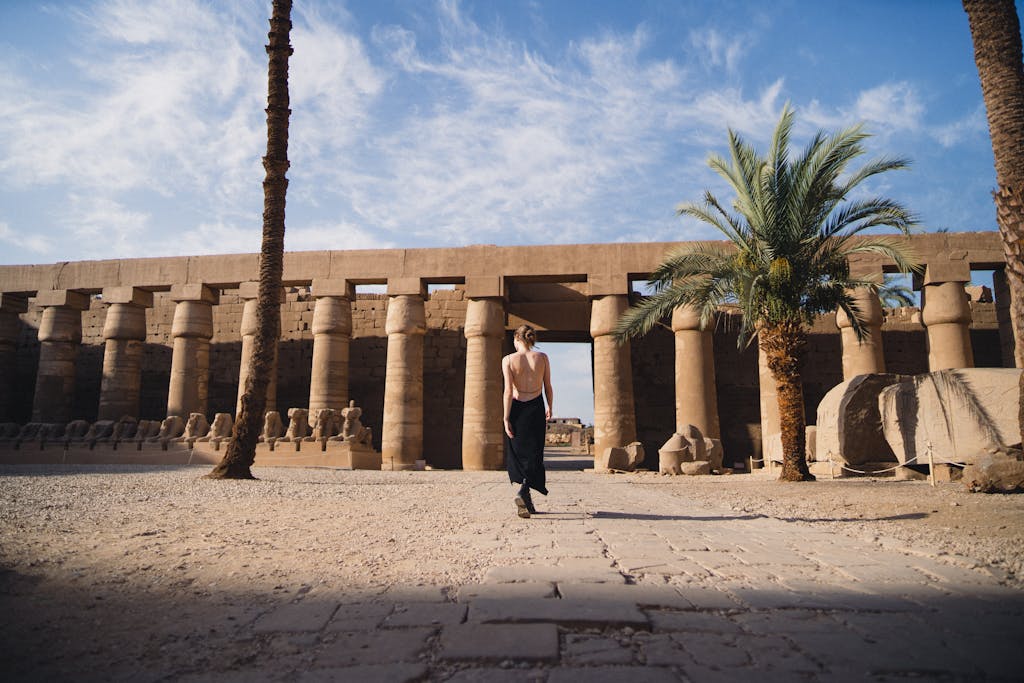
{"points": [[125, 332], [947, 318], [862, 357], [332, 335], [190, 362], [10, 325], [482, 432], [402, 428], [248, 332], [769, 396], [696, 390], [1007, 344], [60, 335], [614, 411]]}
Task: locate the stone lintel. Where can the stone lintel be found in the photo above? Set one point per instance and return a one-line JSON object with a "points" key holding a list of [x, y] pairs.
{"points": [[251, 290], [13, 303], [195, 292], [605, 284], [63, 297], [485, 287], [128, 295], [338, 287], [410, 286], [938, 272], [867, 271]]}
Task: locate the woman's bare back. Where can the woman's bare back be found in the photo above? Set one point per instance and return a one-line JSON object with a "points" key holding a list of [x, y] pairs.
{"points": [[527, 370]]}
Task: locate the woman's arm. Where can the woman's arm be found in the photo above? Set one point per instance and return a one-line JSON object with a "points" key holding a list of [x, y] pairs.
{"points": [[506, 398], [548, 391]]}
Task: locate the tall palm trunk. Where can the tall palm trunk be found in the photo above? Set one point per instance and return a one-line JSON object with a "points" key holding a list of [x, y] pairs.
{"points": [[241, 450], [784, 346], [995, 30]]}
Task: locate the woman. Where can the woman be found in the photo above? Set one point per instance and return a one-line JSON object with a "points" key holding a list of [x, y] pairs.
{"points": [[527, 374]]}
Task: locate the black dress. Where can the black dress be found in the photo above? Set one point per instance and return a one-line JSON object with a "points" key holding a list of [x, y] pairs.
{"points": [[525, 459]]}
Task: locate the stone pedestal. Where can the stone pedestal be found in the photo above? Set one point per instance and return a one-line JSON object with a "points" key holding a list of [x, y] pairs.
{"points": [[402, 428], [614, 412], [60, 335], [769, 399], [190, 362], [125, 332], [248, 291], [946, 314], [862, 356], [10, 326], [332, 336], [696, 392], [482, 431]]}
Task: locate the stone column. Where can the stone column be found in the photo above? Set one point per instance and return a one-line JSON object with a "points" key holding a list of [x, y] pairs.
{"points": [[332, 335], [1007, 344], [946, 314], [11, 306], [190, 363], [861, 357], [482, 431], [769, 396], [402, 428], [124, 331], [248, 292], [696, 391], [60, 335], [614, 412]]}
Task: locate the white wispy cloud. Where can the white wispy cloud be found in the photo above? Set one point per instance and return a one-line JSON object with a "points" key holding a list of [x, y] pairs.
{"points": [[430, 133], [717, 50], [32, 242]]}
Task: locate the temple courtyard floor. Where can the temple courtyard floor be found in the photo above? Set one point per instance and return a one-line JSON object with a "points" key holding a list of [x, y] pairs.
{"points": [[154, 574]]}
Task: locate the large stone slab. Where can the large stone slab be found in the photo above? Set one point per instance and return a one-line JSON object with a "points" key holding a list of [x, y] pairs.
{"points": [[383, 646], [849, 426], [959, 414], [476, 642], [306, 615], [554, 611], [994, 473]]}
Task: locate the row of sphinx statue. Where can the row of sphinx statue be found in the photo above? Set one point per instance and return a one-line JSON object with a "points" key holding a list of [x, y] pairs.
{"points": [[327, 425]]}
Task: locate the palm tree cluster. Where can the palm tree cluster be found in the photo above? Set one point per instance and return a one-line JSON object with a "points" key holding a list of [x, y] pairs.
{"points": [[794, 225]]}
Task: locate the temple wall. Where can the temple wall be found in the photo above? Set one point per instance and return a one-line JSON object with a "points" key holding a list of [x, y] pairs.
{"points": [[550, 287]]}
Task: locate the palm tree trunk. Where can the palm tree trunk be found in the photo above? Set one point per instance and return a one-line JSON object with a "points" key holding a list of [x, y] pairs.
{"points": [[241, 451], [995, 30], [784, 346]]}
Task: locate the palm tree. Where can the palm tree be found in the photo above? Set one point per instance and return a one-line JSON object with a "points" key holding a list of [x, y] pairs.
{"points": [[241, 451], [995, 30], [790, 234]]}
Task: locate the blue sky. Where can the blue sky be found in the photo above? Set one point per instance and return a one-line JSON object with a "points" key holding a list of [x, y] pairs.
{"points": [[135, 127]]}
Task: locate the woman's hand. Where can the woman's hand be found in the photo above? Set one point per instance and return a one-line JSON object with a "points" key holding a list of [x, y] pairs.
{"points": [[508, 429]]}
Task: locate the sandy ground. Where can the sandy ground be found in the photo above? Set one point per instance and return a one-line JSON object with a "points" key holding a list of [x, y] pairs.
{"points": [[156, 558]]}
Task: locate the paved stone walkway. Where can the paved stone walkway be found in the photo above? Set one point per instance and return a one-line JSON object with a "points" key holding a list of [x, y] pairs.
{"points": [[632, 583]]}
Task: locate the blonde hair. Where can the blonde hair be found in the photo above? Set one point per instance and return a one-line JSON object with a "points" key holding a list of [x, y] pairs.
{"points": [[526, 334]]}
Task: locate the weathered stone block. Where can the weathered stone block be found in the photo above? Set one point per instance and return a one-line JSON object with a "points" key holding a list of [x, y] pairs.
{"points": [[959, 415], [849, 426], [994, 473], [612, 459], [697, 467]]}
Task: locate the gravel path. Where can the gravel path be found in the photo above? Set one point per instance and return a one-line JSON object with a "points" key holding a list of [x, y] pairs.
{"points": [[147, 573]]}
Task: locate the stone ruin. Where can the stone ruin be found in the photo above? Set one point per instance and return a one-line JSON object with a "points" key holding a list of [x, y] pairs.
{"points": [[691, 453], [941, 421], [51, 312], [339, 437]]}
